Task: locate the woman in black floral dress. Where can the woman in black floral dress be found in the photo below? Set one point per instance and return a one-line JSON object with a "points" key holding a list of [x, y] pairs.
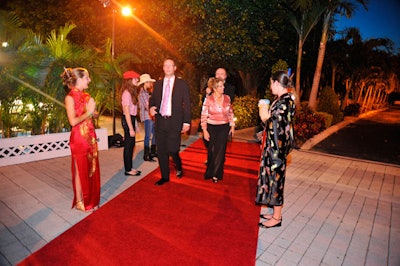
{"points": [[277, 143]]}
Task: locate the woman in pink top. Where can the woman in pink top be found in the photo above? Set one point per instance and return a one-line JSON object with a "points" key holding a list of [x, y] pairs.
{"points": [[129, 108], [217, 123]]}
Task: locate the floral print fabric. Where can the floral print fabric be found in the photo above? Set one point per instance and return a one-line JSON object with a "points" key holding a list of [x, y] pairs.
{"points": [[278, 141]]}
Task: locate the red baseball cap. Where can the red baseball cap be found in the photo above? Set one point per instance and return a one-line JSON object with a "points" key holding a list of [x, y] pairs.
{"points": [[131, 75]]}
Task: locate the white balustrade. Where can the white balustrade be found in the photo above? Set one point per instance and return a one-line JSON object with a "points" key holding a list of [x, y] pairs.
{"points": [[40, 147]]}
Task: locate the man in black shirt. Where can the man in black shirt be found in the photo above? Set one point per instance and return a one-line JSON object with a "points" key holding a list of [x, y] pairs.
{"points": [[229, 88]]}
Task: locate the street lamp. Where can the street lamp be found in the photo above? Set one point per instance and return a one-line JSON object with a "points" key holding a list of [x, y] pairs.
{"points": [[126, 11]]}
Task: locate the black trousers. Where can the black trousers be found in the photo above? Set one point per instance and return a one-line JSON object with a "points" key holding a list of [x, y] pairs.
{"points": [[129, 143], [168, 144], [216, 150]]}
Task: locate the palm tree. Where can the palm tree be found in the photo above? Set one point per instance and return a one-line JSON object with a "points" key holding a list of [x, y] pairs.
{"points": [[343, 55], [107, 73], [34, 78], [45, 64], [342, 7], [14, 36], [365, 68], [305, 16]]}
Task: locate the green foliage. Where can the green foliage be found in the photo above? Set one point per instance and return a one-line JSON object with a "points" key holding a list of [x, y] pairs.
{"points": [[190, 76], [280, 65], [307, 124], [328, 118], [44, 16], [197, 103], [8, 119], [329, 103], [352, 109], [246, 112], [35, 79], [235, 34]]}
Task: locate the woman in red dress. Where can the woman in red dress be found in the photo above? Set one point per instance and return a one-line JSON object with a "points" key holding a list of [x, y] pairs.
{"points": [[80, 109]]}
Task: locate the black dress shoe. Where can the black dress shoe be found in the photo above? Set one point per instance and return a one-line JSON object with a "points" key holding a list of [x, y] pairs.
{"points": [[161, 182], [179, 173]]}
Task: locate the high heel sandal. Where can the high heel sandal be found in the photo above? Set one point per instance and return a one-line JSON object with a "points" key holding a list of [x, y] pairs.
{"points": [[80, 206], [266, 216], [262, 225], [215, 179], [136, 173]]}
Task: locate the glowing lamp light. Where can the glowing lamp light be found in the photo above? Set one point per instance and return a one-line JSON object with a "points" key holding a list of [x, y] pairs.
{"points": [[126, 11]]}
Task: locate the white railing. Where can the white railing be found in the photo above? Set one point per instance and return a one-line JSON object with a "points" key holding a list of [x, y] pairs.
{"points": [[40, 147]]}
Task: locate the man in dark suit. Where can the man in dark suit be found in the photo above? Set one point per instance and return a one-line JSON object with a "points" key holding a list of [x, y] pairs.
{"points": [[170, 104], [229, 89]]}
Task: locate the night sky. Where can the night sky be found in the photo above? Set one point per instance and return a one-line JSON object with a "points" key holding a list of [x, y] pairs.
{"points": [[382, 20]]}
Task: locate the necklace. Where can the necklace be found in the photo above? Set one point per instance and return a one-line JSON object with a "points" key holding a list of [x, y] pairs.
{"points": [[218, 102]]}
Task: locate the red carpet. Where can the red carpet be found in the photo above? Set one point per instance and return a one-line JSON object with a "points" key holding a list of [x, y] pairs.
{"points": [[188, 221]]}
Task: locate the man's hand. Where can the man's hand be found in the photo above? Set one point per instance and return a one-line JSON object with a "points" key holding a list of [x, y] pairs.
{"points": [[185, 128], [153, 111]]}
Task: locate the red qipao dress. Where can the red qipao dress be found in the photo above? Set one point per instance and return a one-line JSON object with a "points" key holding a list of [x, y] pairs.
{"points": [[84, 152]]}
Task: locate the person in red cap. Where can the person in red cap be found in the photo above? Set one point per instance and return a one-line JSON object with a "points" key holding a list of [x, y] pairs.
{"points": [[129, 104]]}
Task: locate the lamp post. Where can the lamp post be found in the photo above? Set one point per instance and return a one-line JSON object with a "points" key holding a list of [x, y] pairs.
{"points": [[126, 11], [112, 59]]}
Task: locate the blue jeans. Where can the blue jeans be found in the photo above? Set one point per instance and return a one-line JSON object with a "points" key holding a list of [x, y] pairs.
{"points": [[149, 133]]}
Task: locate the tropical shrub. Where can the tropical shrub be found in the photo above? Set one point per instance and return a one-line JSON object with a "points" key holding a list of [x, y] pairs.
{"points": [[246, 111], [307, 124], [352, 109], [329, 102], [327, 118]]}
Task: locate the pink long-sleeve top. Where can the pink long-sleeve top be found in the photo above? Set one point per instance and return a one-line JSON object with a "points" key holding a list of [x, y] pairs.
{"points": [[127, 101], [214, 114]]}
